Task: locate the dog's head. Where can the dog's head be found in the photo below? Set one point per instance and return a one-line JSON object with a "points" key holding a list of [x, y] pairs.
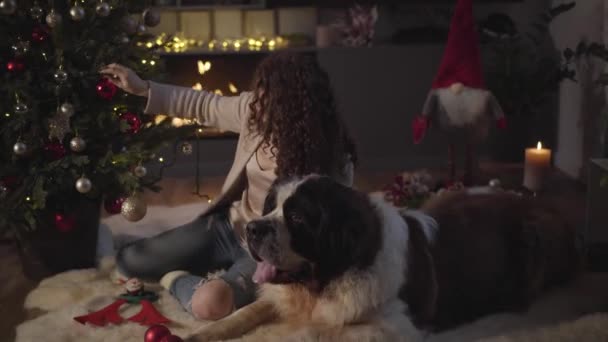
{"points": [[313, 230]]}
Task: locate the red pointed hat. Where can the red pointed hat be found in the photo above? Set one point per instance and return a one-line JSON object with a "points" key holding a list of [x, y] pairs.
{"points": [[461, 59]]}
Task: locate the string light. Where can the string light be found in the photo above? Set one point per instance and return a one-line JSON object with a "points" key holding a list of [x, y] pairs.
{"points": [[203, 67], [233, 88], [7, 114], [181, 44], [161, 159], [28, 198], [143, 61], [152, 62], [198, 86]]}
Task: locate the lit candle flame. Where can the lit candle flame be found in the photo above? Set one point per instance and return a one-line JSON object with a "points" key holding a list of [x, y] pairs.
{"points": [[233, 88], [203, 67], [539, 146]]}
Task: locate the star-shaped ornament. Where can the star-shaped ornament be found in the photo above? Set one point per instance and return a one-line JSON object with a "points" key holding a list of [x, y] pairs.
{"points": [[59, 125]]}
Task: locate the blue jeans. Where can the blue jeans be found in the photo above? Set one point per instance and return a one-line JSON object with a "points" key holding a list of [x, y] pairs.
{"points": [[205, 245]]}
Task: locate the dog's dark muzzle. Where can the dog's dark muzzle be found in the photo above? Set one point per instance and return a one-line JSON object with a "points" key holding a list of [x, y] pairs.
{"points": [[258, 230]]}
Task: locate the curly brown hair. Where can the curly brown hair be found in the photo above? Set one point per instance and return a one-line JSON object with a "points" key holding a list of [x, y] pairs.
{"points": [[294, 111]]}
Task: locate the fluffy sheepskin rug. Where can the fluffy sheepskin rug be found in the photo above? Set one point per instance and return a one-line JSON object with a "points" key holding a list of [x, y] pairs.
{"points": [[74, 293]]}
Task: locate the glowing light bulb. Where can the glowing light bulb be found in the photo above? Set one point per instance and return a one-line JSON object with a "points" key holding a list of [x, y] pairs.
{"points": [[143, 61], [28, 198], [233, 88], [7, 114], [152, 62], [161, 159], [539, 146]]}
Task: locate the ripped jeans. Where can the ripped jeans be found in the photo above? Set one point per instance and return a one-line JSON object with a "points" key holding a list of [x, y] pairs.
{"points": [[207, 244]]}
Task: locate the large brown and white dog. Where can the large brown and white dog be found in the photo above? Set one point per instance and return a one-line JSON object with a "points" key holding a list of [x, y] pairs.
{"points": [[335, 264]]}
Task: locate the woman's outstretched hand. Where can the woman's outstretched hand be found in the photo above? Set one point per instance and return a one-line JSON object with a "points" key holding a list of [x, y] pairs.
{"points": [[126, 79]]}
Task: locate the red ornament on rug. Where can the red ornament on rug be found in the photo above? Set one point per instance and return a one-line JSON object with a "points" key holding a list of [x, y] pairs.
{"points": [[106, 89], [113, 205], [15, 66], [64, 222], [133, 121], [54, 150], [171, 338], [39, 34], [156, 333]]}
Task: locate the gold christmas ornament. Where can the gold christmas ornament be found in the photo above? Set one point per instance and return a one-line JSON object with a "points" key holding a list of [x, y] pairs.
{"points": [[134, 208], [59, 125]]}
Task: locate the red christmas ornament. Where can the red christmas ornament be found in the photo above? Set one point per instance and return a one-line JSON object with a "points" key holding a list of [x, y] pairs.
{"points": [[15, 66], [106, 89], [39, 34], [133, 121], [64, 222], [54, 150], [171, 338], [113, 205], [156, 333]]}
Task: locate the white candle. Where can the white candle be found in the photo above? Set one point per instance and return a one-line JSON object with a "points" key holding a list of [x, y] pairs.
{"points": [[538, 162]]}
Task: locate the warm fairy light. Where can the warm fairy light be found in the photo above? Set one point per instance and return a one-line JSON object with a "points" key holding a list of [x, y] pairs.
{"points": [[233, 88], [224, 45], [209, 200], [161, 159], [237, 45], [159, 118], [177, 122], [251, 41], [152, 62], [143, 61], [218, 91], [28, 198], [200, 130], [149, 44], [7, 114], [115, 109], [272, 43], [203, 67], [198, 86], [539, 146]]}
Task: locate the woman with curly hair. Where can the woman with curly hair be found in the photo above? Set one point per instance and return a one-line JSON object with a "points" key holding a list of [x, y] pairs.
{"points": [[288, 127]]}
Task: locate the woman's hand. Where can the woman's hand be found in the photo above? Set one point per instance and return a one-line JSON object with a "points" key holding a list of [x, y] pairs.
{"points": [[125, 79]]}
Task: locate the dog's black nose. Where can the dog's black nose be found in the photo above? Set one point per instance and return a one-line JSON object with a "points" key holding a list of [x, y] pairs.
{"points": [[256, 230]]}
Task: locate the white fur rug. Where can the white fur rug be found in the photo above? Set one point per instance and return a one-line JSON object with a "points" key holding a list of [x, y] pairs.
{"points": [[564, 315]]}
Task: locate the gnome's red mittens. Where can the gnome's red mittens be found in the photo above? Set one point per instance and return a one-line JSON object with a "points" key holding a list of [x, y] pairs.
{"points": [[148, 315], [501, 123], [101, 318], [419, 127]]}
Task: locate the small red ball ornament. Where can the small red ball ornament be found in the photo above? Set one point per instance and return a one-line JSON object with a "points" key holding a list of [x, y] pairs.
{"points": [[113, 205], [171, 338], [156, 333], [133, 121], [54, 150], [106, 89], [39, 34], [15, 66], [64, 222]]}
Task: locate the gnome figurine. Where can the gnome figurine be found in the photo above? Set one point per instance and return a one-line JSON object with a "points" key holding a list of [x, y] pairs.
{"points": [[458, 103]]}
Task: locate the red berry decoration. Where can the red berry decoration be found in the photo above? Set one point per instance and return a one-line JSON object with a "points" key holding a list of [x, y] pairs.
{"points": [[171, 338], [106, 89], [156, 333], [54, 150], [40, 34], [64, 222], [133, 121], [15, 66], [113, 205]]}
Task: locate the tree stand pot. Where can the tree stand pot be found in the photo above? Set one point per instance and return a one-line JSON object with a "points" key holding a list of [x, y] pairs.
{"points": [[48, 251]]}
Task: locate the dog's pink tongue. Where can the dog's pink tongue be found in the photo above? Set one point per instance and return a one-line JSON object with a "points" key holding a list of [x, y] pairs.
{"points": [[264, 273]]}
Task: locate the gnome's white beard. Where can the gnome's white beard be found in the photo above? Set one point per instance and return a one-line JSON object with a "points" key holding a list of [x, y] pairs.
{"points": [[465, 107]]}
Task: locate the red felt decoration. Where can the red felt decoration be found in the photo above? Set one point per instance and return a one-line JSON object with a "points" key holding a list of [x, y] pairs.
{"points": [[419, 127], [106, 89], [54, 150], [171, 338], [15, 65], [64, 222], [101, 318], [113, 205], [133, 121], [501, 123], [462, 58], [156, 333], [40, 34], [148, 315]]}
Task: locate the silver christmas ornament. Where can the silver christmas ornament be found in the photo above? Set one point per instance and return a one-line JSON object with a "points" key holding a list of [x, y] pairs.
{"points": [[140, 171], [20, 48], [151, 17], [495, 183], [141, 29], [53, 18], [129, 25], [21, 108], [36, 11], [83, 185], [67, 109], [102, 9], [77, 12], [186, 148], [134, 208], [60, 75], [8, 6], [20, 148], [77, 144]]}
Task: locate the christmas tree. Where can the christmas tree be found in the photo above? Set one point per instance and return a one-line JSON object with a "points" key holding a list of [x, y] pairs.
{"points": [[68, 135]]}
